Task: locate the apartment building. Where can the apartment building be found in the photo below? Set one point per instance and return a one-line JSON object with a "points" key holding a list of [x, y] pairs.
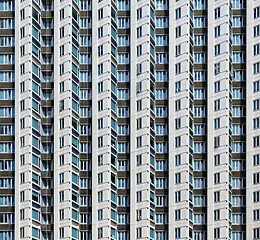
{"points": [[130, 119]]}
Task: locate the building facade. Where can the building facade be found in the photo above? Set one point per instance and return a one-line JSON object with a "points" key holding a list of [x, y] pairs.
{"points": [[130, 119]]}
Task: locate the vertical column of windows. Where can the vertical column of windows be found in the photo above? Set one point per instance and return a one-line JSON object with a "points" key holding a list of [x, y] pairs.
{"points": [[250, 186], [47, 110], [7, 127], [238, 126], [67, 145], [28, 109], [219, 114], [85, 93], [122, 89], [142, 158], [160, 52], [181, 149], [200, 121], [104, 123]]}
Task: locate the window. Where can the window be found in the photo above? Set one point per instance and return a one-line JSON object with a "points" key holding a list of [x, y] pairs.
{"points": [[139, 50], [216, 105], [178, 160], [161, 111], [122, 183], [161, 147], [238, 93], [257, 15], [238, 219], [139, 233], [217, 31], [200, 76], [161, 201], [162, 58], [178, 31], [239, 57], [139, 13], [123, 129], [139, 142], [216, 197], [216, 215], [162, 40], [256, 104], [256, 68], [177, 68], [200, 93], [100, 69], [139, 196], [217, 160], [139, 32], [162, 22], [200, 147], [199, 165], [217, 50], [217, 12], [239, 21], [22, 32], [200, 22], [85, 22], [177, 214], [177, 178], [200, 111], [100, 13], [124, 111], [162, 5], [238, 183], [239, 4], [123, 58], [161, 94], [178, 196], [200, 4], [122, 165], [100, 232], [139, 214], [200, 40], [100, 32], [256, 86], [200, 183], [256, 141], [100, 142], [100, 196], [238, 111], [257, 31], [216, 178], [100, 105], [178, 13], [123, 22], [256, 233], [161, 76], [200, 201], [256, 123], [161, 129], [217, 68], [139, 123], [177, 233], [123, 5], [139, 68], [239, 39], [177, 142], [139, 178], [200, 58], [123, 94], [216, 86], [256, 178]]}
